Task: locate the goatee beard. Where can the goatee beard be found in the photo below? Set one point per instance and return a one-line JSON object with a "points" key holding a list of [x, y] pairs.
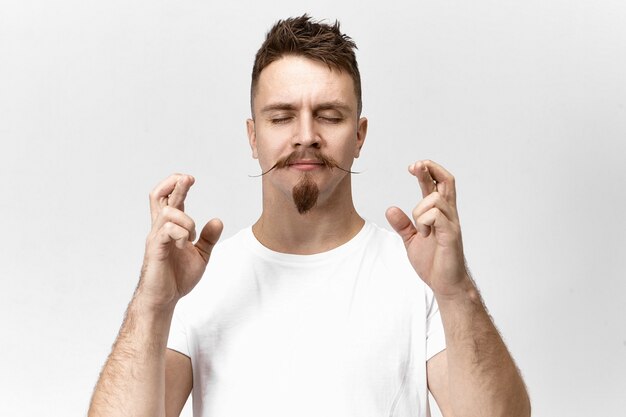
{"points": [[306, 191], [305, 194]]}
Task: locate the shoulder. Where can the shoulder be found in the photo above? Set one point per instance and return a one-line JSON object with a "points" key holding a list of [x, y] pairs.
{"points": [[237, 250], [229, 259], [385, 241], [386, 250], [383, 235], [238, 242], [389, 250]]}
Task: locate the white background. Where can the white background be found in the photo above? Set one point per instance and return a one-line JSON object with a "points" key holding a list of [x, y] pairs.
{"points": [[523, 101]]}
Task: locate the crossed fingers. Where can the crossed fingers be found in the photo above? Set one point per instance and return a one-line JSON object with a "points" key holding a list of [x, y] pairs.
{"points": [[439, 204], [167, 205], [172, 192], [433, 177]]}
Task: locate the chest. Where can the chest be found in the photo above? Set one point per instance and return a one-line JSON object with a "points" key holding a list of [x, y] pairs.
{"points": [[350, 335]]}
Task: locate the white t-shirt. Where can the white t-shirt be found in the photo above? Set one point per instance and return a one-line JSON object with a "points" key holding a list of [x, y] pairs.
{"points": [[341, 333]]}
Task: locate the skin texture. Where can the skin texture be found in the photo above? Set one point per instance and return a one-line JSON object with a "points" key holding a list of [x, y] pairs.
{"points": [[134, 377], [303, 106], [475, 375]]}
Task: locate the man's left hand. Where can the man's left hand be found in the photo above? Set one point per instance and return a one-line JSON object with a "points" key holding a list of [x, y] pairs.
{"points": [[433, 240]]}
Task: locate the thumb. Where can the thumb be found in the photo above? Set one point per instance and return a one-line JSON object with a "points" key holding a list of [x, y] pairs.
{"points": [[401, 223], [208, 237]]}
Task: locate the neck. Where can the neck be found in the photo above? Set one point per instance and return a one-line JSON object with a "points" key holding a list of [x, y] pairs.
{"points": [[331, 223]]}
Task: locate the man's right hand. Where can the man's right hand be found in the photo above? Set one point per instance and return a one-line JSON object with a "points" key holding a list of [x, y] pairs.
{"points": [[173, 264]]}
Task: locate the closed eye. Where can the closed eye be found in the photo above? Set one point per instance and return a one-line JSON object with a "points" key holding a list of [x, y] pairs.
{"points": [[280, 120], [332, 120]]}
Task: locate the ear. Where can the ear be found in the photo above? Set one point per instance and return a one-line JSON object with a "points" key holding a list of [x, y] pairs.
{"points": [[252, 137], [361, 132]]}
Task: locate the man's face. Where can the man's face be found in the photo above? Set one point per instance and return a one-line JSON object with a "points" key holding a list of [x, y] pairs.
{"points": [[307, 111]]}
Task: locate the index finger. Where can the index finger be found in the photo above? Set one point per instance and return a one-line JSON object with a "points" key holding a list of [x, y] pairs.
{"points": [[425, 179], [171, 191], [444, 180], [177, 198]]}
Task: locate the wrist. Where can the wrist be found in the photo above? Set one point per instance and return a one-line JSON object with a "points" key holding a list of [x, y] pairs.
{"points": [[463, 292], [147, 305], [155, 292]]}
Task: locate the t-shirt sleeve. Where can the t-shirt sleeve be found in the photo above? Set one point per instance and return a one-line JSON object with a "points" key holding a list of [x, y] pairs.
{"points": [[435, 336], [177, 339]]}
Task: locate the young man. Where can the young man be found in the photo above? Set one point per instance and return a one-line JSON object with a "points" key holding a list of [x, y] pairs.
{"points": [[312, 311]]}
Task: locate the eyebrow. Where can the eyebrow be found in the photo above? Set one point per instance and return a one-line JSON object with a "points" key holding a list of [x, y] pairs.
{"points": [[328, 105], [277, 106]]}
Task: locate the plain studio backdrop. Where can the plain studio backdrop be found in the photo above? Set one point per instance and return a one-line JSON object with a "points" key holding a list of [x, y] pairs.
{"points": [[523, 101]]}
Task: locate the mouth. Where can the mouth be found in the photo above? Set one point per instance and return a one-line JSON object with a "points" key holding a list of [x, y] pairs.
{"points": [[306, 165]]}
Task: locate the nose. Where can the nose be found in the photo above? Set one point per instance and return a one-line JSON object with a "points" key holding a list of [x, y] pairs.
{"points": [[306, 135]]}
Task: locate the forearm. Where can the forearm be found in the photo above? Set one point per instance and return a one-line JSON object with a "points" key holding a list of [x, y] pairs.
{"points": [[132, 382], [483, 378]]}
